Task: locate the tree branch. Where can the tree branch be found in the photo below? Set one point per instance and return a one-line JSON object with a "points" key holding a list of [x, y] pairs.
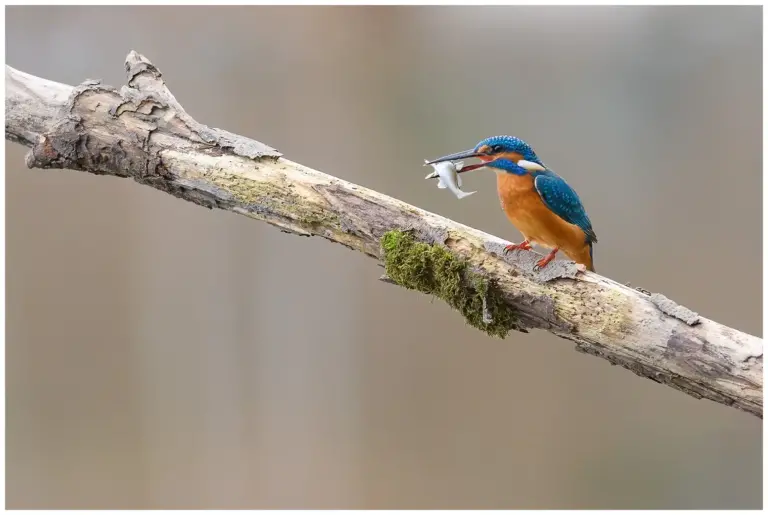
{"points": [[141, 132]]}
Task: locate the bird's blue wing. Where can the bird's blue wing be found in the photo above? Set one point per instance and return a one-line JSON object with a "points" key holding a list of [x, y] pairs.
{"points": [[560, 198]]}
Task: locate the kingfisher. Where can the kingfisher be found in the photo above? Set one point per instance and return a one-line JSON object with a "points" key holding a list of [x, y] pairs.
{"points": [[538, 202]]}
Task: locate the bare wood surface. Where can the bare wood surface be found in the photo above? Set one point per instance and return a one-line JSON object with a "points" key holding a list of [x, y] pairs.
{"points": [[140, 131]]}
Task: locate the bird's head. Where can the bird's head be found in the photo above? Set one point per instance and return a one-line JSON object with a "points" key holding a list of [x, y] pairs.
{"points": [[506, 153]]}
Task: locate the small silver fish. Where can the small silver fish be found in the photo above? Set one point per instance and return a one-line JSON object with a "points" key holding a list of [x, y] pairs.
{"points": [[448, 177]]}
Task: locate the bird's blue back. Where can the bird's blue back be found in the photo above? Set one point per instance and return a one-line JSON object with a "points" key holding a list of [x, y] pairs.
{"points": [[556, 194], [559, 197]]}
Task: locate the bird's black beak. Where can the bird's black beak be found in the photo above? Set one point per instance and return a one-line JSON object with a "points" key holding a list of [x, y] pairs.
{"points": [[458, 156]]}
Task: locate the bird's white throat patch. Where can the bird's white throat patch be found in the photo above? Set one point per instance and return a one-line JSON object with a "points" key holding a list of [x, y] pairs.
{"points": [[530, 165]]}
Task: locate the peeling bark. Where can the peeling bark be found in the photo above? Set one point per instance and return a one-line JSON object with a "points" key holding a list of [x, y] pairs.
{"points": [[141, 132]]}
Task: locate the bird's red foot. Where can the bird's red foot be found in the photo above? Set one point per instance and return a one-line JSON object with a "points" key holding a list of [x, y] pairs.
{"points": [[545, 260], [522, 246]]}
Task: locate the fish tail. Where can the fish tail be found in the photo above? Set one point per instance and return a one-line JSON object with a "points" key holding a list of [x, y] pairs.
{"points": [[462, 194]]}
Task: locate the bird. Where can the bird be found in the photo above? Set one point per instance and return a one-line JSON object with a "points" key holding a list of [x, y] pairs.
{"points": [[537, 201]]}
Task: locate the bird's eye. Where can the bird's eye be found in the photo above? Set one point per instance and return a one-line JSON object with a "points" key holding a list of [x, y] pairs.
{"points": [[497, 148]]}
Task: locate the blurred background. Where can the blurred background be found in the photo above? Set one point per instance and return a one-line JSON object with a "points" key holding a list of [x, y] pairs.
{"points": [[160, 355]]}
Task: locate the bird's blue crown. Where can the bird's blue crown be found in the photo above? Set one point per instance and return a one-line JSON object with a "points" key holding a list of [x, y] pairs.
{"points": [[503, 144]]}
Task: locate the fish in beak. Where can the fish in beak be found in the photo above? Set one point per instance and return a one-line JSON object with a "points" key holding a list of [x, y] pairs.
{"points": [[458, 156]]}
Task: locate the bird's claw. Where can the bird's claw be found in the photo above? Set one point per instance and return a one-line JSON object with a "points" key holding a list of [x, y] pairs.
{"points": [[514, 246], [541, 263]]}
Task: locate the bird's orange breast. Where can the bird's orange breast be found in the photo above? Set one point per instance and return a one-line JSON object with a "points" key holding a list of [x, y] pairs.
{"points": [[538, 224]]}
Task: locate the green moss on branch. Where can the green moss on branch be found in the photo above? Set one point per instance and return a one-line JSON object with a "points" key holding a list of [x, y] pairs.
{"points": [[434, 270]]}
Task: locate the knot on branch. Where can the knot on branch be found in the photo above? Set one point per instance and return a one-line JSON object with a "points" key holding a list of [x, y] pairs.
{"points": [[147, 87], [44, 153], [136, 64], [105, 131]]}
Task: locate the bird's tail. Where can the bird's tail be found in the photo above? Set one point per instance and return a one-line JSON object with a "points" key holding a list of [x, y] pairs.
{"points": [[583, 257]]}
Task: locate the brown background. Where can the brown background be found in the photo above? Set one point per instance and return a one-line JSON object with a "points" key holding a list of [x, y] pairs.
{"points": [[162, 355]]}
